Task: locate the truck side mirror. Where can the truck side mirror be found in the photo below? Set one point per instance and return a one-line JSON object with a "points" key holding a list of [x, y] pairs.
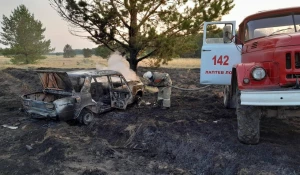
{"points": [[227, 34]]}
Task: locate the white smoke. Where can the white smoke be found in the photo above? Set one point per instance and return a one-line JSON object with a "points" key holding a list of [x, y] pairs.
{"points": [[118, 63]]}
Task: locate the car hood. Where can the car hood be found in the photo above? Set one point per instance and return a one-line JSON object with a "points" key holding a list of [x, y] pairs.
{"points": [[55, 80]]}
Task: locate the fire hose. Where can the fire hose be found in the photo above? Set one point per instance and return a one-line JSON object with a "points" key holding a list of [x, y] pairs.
{"points": [[194, 89], [180, 88], [152, 89]]}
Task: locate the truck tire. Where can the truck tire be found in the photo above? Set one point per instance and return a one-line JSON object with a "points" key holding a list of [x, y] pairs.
{"points": [[86, 117], [248, 120], [228, 99]]}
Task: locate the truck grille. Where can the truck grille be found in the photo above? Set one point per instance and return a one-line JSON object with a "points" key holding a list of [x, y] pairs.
{"points": [[291, 76], [289, 60], [297, 60], [292, 65]]}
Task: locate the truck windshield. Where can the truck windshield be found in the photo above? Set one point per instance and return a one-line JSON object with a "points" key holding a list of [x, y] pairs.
{"points": [[272, 26]]}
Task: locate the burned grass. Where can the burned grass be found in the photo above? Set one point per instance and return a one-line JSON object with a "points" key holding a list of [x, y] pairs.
{"points": [[196, 136]]}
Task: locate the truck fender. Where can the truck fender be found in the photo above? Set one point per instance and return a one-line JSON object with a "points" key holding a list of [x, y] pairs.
{"points": [[233, 79], [230, 91], [238, 77], [242, 71]]}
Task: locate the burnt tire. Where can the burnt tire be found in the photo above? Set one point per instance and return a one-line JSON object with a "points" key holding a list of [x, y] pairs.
{"points": [[138, 99], [86, 117], [248, 120]]}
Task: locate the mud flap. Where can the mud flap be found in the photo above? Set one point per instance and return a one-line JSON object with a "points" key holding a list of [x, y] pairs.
{"points": [[219, 54]]}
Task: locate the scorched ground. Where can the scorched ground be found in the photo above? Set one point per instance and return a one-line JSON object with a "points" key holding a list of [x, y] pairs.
{"points": [[196, 136]]}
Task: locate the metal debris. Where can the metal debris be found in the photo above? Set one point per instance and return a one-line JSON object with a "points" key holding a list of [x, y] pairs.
{"points": [[10, 127], [148, 103], [216, 121], [28, 147]]}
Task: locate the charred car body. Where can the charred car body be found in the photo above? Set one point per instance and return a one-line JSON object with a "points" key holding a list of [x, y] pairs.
{"points": [[260, 69], [80, 94]]}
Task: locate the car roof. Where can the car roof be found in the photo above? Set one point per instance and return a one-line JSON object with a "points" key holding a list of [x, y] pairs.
{"points": [[93, 72], [80, 73]]}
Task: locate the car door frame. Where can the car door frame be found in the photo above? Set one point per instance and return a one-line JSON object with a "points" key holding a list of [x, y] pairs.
{"points": [[116, 94]]}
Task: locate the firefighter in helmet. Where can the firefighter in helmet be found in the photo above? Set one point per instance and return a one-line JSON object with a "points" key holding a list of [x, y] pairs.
{"points": [[163, 82]]}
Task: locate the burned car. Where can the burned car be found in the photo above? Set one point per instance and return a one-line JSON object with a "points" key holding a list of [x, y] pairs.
{"points": [[80, 94]]}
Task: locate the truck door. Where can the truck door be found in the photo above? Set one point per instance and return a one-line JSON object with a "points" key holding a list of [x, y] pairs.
{"points": [[219, 53]]}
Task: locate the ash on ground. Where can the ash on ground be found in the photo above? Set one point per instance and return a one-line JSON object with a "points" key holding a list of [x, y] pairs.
{"points": [[142, 140]]}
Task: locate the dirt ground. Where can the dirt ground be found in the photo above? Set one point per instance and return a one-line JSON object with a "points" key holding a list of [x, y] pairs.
{"points": [[196, 136]]}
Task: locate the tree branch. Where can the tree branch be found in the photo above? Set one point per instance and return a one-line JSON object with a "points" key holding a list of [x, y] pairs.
{"points": [[119, 15], [146, 17], [146, 56], [86, 28]]}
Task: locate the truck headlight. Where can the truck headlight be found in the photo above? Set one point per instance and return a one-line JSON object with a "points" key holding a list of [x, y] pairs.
{"points": [[258, 73]]}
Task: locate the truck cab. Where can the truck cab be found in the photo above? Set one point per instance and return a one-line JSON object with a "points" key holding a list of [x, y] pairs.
{"points": [[259, 67]]}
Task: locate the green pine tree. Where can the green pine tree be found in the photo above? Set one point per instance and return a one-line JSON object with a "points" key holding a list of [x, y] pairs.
{"points": [[102, 51], [87, 52], [140, 29], [68, 51], [24, 35]]}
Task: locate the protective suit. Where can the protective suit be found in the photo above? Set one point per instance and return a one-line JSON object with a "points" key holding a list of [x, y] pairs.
{"points": [[163, 82]]}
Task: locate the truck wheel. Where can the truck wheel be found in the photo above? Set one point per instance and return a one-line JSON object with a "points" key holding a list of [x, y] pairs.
{"points": [[248, 120], [227, 98], [86, 117]]}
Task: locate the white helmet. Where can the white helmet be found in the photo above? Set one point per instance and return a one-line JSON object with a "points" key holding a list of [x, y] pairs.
{"points": [[148, 75]]}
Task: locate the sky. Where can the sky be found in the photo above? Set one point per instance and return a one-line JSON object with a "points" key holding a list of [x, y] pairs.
{"points": [[57, 30]]}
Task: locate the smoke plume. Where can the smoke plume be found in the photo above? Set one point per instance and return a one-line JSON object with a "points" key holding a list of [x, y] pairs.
{"points": [[118, 63]]}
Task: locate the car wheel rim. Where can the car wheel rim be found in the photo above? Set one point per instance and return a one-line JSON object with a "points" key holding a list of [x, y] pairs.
{"points": [[87, 118]]}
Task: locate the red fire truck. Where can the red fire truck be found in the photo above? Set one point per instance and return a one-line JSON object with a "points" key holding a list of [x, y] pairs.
{"points": [[259, 66]]}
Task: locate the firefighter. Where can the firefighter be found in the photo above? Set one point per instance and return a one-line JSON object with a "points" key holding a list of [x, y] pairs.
{"points": [[164, 83]]}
